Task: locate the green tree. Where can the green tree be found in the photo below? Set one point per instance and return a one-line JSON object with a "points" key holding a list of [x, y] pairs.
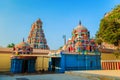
{"points": [[109, 30], [60, 47], [98, 41], [11, 45]]}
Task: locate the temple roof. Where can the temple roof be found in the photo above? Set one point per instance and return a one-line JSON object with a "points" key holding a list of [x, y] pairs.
{"points": [[80, 27], [23, 44], [39, 21]]}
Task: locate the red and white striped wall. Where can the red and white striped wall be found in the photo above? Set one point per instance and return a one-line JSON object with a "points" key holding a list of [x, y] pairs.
{"points": [[110, 64]]}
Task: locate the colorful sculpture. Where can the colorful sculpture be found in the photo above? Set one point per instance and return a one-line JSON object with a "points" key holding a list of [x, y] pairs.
{"points": [[36, 36], [22, 48], [80, 41]]}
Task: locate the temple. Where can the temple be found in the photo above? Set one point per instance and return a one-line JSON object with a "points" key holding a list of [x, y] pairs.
{"points": [[22, 63], [80, 41], [79, 53], [36, 36]]}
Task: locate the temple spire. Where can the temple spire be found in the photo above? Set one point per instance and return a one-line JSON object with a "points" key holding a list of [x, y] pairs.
{"points": [[23, 40], [79, 22]]}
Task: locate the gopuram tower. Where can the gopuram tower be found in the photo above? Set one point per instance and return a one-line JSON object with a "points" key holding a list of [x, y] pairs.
{"points": [[36, 36]]}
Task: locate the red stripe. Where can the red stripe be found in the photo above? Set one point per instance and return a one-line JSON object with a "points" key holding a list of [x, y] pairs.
{"points": [[103, 65], [112, 65], [108, 65], [119, 65], [116, 65]]}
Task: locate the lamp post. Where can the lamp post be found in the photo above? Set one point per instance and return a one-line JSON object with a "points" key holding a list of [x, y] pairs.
{"points": [[64, 37]]}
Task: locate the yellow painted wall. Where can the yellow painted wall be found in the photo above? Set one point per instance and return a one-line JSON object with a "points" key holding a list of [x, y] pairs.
{"points": [[42, 63], [5, 61], [109, 56]]}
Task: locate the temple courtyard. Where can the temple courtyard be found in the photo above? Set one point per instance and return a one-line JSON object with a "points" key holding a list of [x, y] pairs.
{"points": [[70, 75]]}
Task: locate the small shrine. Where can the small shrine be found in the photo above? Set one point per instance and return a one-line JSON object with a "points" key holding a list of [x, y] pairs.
{"points": [[22, 61], [81, 41], [36, 36]]}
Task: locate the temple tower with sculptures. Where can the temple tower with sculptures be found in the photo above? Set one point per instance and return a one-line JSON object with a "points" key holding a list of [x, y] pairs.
{"points": [[36, 36]]}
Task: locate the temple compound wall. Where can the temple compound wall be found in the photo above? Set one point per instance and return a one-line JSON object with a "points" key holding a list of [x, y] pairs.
{"points": [[108, 61], [41, 61]]}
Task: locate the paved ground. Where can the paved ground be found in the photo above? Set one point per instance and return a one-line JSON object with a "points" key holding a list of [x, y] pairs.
{"points": [[97, 74], [71, 75], [112, 73], [43, 77]]}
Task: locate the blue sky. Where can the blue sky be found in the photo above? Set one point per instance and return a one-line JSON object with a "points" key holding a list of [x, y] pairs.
{"points": [[59, 17]]}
